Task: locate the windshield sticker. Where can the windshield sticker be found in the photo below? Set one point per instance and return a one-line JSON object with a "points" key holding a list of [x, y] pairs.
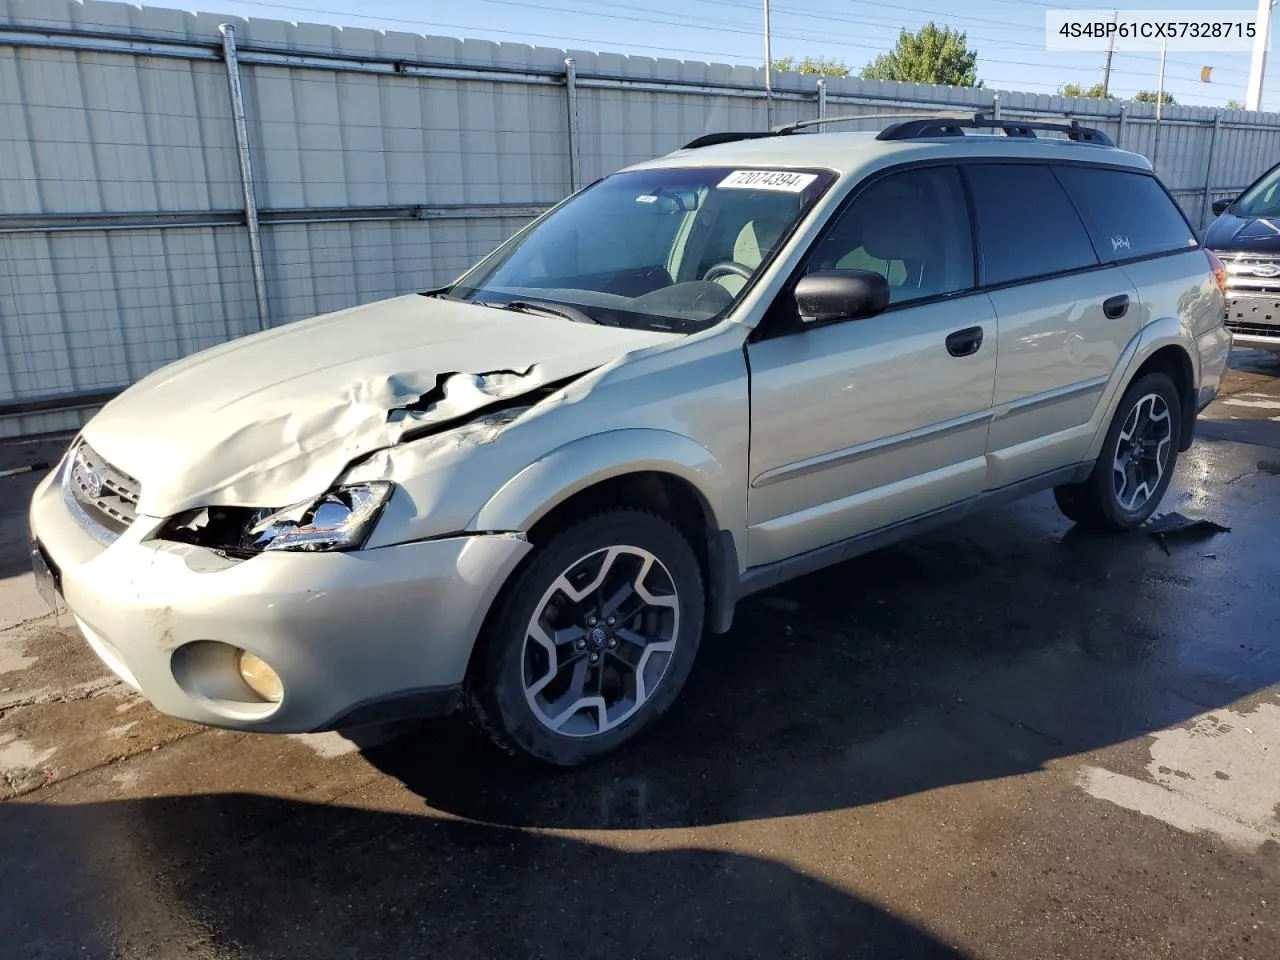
{"points": [[785, 181], [1119, 242]]}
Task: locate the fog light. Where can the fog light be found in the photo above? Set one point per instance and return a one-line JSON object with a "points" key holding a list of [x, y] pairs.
{"points": [[259, 677]]}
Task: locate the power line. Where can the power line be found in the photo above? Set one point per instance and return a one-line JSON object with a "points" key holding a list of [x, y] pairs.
{"points": [[721, 28], [717, 25]]}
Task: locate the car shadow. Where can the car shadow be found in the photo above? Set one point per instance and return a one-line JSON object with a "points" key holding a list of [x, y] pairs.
{"points": [[982, 651], [16, 491], [243, 875], [1256, 361]]}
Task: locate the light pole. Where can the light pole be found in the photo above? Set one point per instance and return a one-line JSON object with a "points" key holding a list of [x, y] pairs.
{"points": [[768, 70], [1258, 62]]}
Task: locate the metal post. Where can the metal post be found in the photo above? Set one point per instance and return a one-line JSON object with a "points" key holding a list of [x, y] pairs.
{"points": [[571, 103], [995, 106], [246, 172], [1124, 119], [768, 70], [822, 100], [1206, 203]]}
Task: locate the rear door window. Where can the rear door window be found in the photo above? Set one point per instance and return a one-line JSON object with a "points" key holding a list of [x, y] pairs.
{"points": [[1027, 226], [1127, 214]]}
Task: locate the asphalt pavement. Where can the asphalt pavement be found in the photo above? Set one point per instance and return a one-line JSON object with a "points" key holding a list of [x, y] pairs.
{"points": [[1006, 739]]}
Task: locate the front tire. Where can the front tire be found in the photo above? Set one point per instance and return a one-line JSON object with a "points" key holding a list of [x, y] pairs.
{"points": [[592, 640], [1133, 471]]}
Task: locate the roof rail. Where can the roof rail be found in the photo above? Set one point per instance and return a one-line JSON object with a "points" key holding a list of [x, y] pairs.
{"points": [[711, 139], [912, 126], [787, 128], [952, 127]]}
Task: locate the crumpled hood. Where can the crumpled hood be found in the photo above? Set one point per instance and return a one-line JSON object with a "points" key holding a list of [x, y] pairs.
{"points": [[273, 419], [1230, 233]]}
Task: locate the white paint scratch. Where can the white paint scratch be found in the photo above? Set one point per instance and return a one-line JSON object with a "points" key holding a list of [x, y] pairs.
{"points": [[12, 657], [18, 756], [1169, 806], [120, 731], [1245, 400], [126, 777], [1217, 774], [328, 745]]}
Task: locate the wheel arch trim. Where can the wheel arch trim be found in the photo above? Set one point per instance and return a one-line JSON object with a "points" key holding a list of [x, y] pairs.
{"points": [[1151, 339], [555, 477], [581, 464]]}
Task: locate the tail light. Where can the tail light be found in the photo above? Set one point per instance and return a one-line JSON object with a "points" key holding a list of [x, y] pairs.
{"points": [[1218, 269]]}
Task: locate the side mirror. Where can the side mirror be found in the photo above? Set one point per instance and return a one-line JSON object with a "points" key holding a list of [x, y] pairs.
{"points": [[841, 295], [1220, 206]]}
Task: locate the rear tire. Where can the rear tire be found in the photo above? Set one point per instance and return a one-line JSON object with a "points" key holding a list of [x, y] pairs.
{"points": [[591, 641], [1134, 468]]}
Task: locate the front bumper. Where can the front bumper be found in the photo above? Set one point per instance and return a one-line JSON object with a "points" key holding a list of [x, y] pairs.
{"points": [[354, 636], [1256, 341], [1254, 321]]}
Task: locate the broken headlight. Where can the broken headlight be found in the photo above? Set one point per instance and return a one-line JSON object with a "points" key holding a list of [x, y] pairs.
{"points": [[339, 520]]}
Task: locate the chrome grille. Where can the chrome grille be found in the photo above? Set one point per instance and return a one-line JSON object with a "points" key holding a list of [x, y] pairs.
{"points": [[106, 495], [1251, 274]]}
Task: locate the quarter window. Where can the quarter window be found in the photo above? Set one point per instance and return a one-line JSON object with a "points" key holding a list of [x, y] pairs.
{"points": [[1027, 227], [1127, 214], [911, 227]]}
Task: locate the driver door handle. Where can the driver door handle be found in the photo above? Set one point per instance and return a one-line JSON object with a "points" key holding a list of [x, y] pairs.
{"points": [[965, 343]]}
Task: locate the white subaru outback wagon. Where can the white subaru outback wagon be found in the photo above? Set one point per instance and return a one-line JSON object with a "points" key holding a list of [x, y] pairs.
{"points": [[531, 492]]}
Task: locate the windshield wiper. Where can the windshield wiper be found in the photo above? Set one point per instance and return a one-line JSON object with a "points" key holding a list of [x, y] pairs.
{"points": [[550, 309]]}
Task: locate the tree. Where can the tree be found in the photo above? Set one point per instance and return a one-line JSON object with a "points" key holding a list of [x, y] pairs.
{"points": [[821, 66], [1149, 96], [930, 55], [1234, 105], [1075, 90]]}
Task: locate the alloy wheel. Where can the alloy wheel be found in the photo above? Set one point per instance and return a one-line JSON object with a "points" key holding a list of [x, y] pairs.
{"points": [[600, 641], [1142, 452]]}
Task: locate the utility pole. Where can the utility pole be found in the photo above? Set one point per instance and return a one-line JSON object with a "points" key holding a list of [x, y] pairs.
{"points": [[1155, 144], [1164, 50], [1258, 63], [768, 70], [1111, 48]]}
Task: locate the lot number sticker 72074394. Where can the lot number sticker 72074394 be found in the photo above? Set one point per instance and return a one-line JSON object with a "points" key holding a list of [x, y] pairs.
{"points": [[786, 181]]}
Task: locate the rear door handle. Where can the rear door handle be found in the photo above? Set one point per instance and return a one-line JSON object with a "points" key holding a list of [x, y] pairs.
{"points": [[1116, 307], [965, 343]]}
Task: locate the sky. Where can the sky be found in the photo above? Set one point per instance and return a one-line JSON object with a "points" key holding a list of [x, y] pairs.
{"points": [[1007, 34]]}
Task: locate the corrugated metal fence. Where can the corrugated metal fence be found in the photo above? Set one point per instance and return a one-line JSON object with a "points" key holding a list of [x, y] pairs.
{"points": [[376, 163]]}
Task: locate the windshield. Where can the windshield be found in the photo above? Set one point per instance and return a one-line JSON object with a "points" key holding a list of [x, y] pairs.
{"points": [[667, 249], [1262, 199]]}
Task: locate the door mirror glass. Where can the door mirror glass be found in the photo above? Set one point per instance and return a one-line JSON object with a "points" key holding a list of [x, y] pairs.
{"points": [[841, 295], [1220, 206]]}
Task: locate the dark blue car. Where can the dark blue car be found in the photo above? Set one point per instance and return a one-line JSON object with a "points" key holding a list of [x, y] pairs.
{"points": [[1246, 236]]}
